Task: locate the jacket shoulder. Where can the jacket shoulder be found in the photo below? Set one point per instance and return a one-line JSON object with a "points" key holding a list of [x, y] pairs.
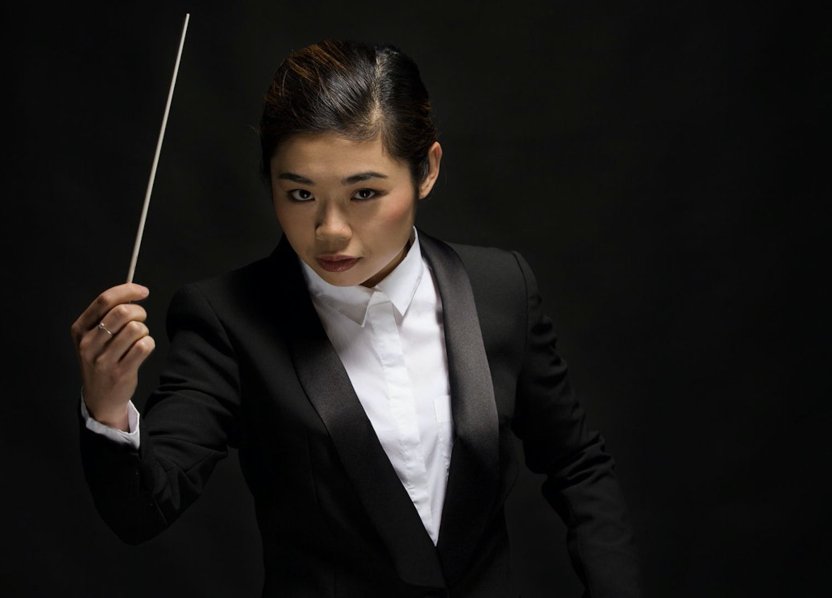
{"points": [[497, 278], [268, 275], [488, 262], [258, 291], [246, 275]]}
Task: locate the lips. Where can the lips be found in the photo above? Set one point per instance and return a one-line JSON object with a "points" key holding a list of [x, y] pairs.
{"points": [[336, 263]]}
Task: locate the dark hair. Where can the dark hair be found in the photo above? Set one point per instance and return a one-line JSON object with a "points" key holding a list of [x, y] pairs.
{"points": [[356, 90]]}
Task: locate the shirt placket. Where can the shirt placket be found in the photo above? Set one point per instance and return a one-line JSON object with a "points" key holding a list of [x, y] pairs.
{"points": [[387, 343]]}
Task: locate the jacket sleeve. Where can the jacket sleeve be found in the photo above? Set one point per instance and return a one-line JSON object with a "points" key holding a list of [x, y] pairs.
{"points": [[187, 426], [580, 479]]}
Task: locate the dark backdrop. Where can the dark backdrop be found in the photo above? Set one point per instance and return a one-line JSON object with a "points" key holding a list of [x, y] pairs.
{"points": [[662, 165]]}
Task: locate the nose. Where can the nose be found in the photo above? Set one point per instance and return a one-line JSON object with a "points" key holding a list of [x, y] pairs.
{"points": [[332, 225]]}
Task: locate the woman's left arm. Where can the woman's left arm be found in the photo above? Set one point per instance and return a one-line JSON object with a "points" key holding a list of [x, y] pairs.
{"points": [[580, 475]]}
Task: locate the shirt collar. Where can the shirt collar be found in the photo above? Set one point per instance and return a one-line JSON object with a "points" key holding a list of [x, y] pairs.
{"points": [[354, 301]]}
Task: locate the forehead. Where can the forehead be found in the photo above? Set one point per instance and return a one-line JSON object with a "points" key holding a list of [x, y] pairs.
{"points": [[324, 155]]}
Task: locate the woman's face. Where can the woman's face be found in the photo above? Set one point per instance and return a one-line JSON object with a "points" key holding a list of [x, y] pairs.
{"points": [[346, 207]]}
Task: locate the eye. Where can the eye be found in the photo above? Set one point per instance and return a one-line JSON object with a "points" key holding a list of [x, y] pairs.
{"points": [[363, 194], [300, 195]]}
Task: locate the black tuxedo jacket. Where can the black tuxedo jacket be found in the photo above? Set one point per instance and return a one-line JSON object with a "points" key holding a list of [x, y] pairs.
{"points": [[251, 367]]}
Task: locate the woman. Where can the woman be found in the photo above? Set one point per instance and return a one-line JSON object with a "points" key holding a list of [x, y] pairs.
{"points": [[369, 374]]}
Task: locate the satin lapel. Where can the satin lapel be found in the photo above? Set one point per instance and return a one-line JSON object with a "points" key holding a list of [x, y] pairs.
{"points": [[328, 388], [473, 475]]}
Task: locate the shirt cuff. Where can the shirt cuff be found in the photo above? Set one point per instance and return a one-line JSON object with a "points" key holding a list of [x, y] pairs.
{"points": [[130, 438]]}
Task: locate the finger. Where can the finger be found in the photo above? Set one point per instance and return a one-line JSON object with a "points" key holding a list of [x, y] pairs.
{"points": [[138, 352], [115, 319], [94, 341], [90, 318], [120, 344]]}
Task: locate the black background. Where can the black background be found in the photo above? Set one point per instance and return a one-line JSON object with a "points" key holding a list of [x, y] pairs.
{"points": [[662, 166]]}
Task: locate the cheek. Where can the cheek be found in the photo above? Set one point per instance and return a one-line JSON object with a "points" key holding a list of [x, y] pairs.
{"points": [[396, 214]]}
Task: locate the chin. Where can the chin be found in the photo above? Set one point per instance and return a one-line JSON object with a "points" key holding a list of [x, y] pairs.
{"points": [[341, 279]]}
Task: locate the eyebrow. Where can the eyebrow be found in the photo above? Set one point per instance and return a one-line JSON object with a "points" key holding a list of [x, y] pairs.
{"points": [[350, 180]]}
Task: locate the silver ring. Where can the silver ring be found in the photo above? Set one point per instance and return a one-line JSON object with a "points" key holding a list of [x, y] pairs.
{"points": [[101, 326]]}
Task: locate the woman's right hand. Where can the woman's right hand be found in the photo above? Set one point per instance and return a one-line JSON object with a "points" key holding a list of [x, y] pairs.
{"points": [[112, 341]]}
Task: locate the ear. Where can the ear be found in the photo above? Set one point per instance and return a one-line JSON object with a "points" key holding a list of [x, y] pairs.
{"points": [[434, 158]]}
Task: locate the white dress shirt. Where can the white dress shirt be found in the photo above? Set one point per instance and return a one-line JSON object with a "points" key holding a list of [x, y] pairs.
{"points": [[391, 342]]}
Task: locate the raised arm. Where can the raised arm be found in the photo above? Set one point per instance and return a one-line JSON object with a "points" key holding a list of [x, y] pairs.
{"points": [[187, 425]]}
